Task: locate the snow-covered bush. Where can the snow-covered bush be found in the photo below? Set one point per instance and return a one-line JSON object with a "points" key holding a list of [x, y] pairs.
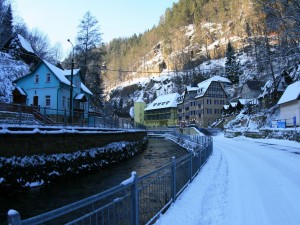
{"points": [[29, 171]]}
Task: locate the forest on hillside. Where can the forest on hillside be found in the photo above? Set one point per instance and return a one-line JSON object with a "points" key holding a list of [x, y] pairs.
{"points": [[188, 34], [266, 29]]}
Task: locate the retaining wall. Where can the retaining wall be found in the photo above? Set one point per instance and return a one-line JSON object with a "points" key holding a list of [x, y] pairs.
{"points": [[292, 135], [21, 144]]}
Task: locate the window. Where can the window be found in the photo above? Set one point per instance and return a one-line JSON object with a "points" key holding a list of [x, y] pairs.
{"points": [[48, 78], [216, 111], [208, 101], [216, 102], [209, 111], [68, 102], [37, 77], [47, 101], [64, 102], [221, 102]]}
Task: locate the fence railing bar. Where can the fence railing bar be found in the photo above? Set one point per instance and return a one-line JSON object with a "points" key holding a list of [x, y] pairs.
{"points": [[159, 212], [71, 207], [141, 199]]}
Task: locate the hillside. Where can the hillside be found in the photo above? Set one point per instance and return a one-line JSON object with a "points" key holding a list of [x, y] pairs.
{"points": [[189, 33], [10, 69], [186, 48]]}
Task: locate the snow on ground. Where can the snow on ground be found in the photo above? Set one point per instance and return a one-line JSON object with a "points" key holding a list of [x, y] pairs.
{"points": [[245, 181]]}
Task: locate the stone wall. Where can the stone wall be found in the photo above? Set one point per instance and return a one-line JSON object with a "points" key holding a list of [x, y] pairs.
{"points": [[21, 144], [20, 172], [292, 135]]}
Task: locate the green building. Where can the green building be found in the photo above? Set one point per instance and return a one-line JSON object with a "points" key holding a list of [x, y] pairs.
{"points": [[139, 107], [162, 111]]}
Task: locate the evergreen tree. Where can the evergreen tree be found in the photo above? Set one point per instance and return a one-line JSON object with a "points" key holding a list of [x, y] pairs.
{"points": [[88, 39], [232, 67], [6, 26], [96, 86]]}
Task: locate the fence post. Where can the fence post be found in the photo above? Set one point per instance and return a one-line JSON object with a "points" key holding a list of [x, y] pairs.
{"points": [[13, 217], [191, 166], [200, 153], [45, 115], [65, 117], [173, 178], [135, 200], [94, 119], [20, 114]]}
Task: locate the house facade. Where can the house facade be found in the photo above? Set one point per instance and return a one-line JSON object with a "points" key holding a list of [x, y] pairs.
{"points": [[48, 87], [289, 104], [251, 89], [139, 117], [203, 104], [162, 111]]}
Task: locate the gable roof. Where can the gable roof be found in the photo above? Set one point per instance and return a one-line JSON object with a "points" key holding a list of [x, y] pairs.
{"points": [[85, 89], [219, 79], [291, 93], [254, 85], [59, 73], [203, 86], [164, 101], [25, 44]]}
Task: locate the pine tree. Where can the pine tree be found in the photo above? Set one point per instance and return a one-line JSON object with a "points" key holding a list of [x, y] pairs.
{"points": [[88, 39], [232, 67], [6, 28], [96, 86]]}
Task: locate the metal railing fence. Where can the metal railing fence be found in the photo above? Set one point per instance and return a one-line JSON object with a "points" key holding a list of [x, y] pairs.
{"points": [[50, 116], [137, 200]]}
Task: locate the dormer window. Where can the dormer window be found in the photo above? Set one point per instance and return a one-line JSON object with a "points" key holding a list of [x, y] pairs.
{"points": [[37, 78], [48, 78]]}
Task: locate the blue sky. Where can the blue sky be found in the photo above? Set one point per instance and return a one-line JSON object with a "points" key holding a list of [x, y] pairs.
{"points": [[59, 19]]}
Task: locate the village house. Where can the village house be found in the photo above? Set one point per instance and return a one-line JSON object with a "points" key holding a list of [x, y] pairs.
{"points": [[289, 104], [47, 87], [251, 89], [162, 111], [20, 49], [139, 116], [203, 104]]}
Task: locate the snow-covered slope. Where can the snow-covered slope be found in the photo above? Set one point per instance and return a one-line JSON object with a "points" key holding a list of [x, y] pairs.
{"points": [[249, 181], [10, 70]]}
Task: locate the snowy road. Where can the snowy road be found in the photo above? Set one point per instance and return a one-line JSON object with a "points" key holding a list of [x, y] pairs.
{"points": [[246, 181]]}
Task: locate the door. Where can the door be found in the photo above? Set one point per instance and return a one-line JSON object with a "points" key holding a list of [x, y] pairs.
{"points": [[35, 100]]}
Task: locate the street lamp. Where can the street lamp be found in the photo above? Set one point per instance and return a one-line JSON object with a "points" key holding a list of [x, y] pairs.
{"points": [[71, 89]]}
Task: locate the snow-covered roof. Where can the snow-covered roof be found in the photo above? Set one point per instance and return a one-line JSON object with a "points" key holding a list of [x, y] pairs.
{"points": [[164, 101], [85, 89], [22, 92], [68, 72], [219, 79], [190, 88], [245, 101], [202, 86], [79, 96], [59, 73], [25, 44], [233, 104], [291, 93], [226, 106]]}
